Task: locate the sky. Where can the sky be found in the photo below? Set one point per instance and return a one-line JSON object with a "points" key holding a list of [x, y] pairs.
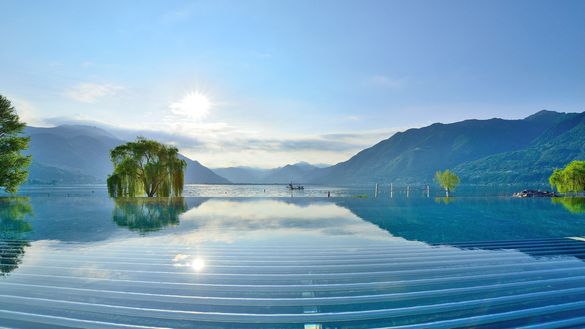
{"points": [[267, 83]]}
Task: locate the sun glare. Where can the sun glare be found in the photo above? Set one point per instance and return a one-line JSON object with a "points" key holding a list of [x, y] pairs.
{"points": [[195, 106], [198, 264]]}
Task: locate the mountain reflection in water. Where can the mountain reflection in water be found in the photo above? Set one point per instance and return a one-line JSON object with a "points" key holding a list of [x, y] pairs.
{"points": [[302, 220]]}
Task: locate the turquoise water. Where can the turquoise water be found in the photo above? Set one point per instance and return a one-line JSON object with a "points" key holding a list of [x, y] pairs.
{"points": [[72, 257]]}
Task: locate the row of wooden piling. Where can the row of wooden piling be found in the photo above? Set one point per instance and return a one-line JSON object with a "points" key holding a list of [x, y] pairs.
{"points": [[427, 190]]}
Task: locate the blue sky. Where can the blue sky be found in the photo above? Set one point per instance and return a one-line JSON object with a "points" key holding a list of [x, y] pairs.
{"points": [[276, 82]]}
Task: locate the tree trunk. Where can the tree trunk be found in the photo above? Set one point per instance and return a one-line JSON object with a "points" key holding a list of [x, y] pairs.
{"points": [[447, 192]]}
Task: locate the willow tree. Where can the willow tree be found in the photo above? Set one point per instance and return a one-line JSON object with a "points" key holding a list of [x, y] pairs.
{"points": [[447, 180], [570, 179], [146, 167], [13, 164]]}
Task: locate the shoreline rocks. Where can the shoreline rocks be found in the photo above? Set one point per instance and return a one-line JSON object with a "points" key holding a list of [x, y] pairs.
{"points": [[535, 194]]}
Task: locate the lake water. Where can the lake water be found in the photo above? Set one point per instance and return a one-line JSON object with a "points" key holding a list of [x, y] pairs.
{"points": [[310, 191], [72, 257]]}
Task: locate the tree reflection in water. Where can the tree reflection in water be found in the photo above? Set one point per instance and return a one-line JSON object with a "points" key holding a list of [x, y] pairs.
{"points": [[14, 212], [575, 205], [148, 214], [444, 200]]}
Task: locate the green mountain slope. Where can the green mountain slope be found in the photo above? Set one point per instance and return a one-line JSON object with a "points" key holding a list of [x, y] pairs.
{"points": [[414, 155], [556, 147]]}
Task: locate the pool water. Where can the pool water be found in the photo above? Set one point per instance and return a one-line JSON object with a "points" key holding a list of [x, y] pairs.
{"points": [[84, 260]]}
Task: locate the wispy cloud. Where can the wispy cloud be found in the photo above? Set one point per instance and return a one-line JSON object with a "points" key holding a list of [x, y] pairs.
{"points": [[283, 145], [88, 92], [232, 143], [351, 118], [263, 55], [387, 82], [27, 112], [365, 138], [177, 15]]}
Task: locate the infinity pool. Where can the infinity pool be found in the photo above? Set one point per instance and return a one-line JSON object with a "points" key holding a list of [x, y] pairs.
{"points": [[92, 262]]}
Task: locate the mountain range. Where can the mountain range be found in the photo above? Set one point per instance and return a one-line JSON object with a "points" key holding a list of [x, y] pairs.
{"points": [[479, 151], [290, 173], [79, 154], [562, 143]]}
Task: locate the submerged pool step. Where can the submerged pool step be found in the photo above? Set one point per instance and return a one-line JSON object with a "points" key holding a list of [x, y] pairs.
{"points": [[508, 316], [461, 279], [439, 252], [69, 322], [295, 267], [366, 275], [316, 249], [17, 301], [411, 251], [407, 284], [35, 289]]}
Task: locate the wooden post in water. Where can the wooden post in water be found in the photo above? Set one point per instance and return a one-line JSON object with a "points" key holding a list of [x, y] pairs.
{"points": [[428, 191], [391, 190], [376, 191], [407, 191]]}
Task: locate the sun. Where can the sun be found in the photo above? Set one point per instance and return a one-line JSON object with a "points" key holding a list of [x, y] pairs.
{"points": [[195, 106]]}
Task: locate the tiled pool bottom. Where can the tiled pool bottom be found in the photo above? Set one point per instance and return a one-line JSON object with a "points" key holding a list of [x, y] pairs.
{"points": [[147, 283]]}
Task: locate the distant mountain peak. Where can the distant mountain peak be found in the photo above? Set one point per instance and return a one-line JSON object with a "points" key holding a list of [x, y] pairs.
{"points": [[544, 115], [72, 130]]}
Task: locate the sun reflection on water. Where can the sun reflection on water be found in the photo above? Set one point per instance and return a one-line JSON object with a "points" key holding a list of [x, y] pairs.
{"points": [[196, 263]]}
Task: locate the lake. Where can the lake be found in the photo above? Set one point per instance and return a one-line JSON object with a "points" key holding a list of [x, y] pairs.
{"points": [[256, 257]]}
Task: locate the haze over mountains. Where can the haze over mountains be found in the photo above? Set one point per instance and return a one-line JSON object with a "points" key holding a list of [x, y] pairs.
{"points": [[294, 173], [77, 154], [480, 151]]}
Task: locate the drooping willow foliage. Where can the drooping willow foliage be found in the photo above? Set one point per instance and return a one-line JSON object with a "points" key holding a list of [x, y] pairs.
{"points": [[570, 179], [146, 167]]}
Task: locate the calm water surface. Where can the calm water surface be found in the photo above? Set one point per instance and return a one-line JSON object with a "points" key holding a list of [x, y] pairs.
{"points": [[72, 257]]}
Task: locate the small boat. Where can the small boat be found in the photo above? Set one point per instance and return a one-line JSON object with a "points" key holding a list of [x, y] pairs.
{"points": [[292, 187]]}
